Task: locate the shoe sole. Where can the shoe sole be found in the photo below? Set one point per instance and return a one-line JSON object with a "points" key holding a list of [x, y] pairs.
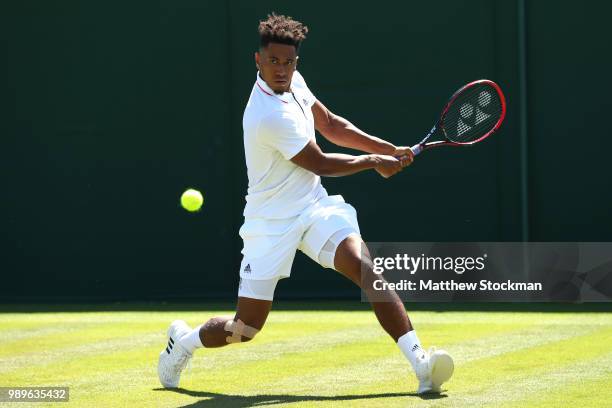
{"points": [[426, 390], [442, 368]]}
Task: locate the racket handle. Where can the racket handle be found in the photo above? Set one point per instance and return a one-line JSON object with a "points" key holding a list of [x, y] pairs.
{"points": [[416, 149]]}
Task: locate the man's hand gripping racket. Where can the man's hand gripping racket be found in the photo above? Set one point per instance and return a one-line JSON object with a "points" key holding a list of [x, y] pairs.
{"points": [[471, 115]]}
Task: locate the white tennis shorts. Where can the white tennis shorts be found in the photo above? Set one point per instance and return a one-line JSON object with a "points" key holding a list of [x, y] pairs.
{"points": [[270, 245]]}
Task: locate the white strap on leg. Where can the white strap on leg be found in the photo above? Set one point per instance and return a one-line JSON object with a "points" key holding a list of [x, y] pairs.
{"points": [[239, 329]]}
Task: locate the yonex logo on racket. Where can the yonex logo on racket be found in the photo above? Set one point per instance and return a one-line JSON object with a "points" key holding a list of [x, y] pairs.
{"points": [[473, 113], [467, 113]]}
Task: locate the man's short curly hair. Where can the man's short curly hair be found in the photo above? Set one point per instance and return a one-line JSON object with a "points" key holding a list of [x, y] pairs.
{"points": [[281, 29]]}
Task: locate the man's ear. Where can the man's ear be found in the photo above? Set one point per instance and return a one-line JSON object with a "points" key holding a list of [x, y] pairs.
{"points": [[257, 59]]}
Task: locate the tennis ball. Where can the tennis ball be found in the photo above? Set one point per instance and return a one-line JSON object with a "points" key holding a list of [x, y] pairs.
{"points": [[192, 200]]}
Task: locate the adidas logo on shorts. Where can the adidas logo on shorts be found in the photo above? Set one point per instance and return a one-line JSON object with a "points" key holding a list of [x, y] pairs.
{"points": [[247, 269]]}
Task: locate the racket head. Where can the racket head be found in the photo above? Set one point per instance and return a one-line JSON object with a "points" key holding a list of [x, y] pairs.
{"points": [[473, 113]]}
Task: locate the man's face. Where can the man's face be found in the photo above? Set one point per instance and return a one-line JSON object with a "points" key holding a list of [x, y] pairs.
{"points": [[277, 63]]}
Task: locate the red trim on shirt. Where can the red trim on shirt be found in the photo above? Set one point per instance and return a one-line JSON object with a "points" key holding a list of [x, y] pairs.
{"points": [[268, 93]]}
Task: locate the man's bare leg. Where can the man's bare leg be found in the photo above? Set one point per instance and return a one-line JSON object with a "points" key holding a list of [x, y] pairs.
{"points": [[253, 312], [250, 317], [390, 313], [431, 371]]}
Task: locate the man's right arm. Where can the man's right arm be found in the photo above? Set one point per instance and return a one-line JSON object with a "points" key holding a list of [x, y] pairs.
{"points": [[280, 131], [338, 164]]}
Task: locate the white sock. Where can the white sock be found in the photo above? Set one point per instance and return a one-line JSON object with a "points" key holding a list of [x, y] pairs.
{"points": [[191, 340], [411, 347]]}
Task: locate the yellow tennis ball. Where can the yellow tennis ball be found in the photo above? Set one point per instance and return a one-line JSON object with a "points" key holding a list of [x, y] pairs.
{"points": [[192, 200]]}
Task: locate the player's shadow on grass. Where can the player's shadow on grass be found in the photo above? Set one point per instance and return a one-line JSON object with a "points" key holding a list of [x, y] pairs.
{"points": [[239, 401]]}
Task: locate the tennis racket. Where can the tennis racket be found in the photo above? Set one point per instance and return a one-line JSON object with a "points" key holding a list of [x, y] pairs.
{"points": [[471, 115]]}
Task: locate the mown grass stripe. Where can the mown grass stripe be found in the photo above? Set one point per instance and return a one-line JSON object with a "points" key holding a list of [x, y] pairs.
{"points": [[386, 369], [591, 389], [101, 340], [346, 363], [378, 352], [528, 383], [472, 385], [271, 344]]}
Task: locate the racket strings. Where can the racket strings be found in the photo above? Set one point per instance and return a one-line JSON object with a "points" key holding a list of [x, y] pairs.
{"points": [[472, 114], [473, 110]]}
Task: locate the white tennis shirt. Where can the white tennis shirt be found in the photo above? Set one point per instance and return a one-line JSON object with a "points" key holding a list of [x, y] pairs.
{"points": [[276, 128]]}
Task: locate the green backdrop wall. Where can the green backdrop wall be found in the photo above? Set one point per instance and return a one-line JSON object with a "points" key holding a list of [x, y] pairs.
{"points": [[112, 109]]}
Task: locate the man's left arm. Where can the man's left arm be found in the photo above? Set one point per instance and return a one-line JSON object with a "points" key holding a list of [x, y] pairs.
{"points": [[343, 133]]}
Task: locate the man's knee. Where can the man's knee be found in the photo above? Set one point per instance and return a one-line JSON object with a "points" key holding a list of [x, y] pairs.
{"points": [[250, 317], [239, 331], [358, 268], [348, 258], [367, 279]]}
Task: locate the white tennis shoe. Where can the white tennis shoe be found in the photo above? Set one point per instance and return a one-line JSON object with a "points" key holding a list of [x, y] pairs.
{"points": [[435, 368], [174, 358]]}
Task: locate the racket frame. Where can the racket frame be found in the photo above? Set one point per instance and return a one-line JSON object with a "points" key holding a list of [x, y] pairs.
{"points": [[424, 145]]}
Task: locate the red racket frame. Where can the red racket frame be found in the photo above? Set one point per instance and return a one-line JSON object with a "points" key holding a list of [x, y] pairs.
{"points": [[418, 148]]}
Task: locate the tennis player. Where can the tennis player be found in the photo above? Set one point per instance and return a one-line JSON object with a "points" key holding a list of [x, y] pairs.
{"points": [[287, 209]]}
